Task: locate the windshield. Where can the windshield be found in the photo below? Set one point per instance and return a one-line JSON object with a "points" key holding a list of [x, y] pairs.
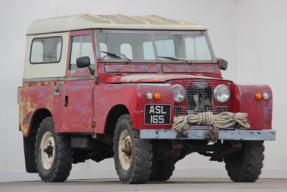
{"points": [[150, 46]]}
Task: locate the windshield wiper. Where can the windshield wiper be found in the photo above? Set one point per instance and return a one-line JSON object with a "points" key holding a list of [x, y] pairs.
{"points": [[113, 55], [173, 58]]}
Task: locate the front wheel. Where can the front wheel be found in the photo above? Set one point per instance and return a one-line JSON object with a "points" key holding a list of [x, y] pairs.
{"points": [[132, 155], [53, 153], [246, 164]]}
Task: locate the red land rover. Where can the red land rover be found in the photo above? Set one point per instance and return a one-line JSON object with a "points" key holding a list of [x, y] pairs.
{"points": [[145, 90]]}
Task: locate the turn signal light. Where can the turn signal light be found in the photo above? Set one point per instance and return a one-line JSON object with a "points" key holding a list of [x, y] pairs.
{"points": [[157, 96], [258, 96]]}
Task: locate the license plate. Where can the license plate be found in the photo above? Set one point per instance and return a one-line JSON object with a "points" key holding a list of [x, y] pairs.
{"points": [[157, 114]]}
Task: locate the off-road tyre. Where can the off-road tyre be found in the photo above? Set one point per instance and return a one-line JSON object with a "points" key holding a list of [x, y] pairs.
{"points": [[246, 164], [162, 170], [61, 166], [139, 168]]}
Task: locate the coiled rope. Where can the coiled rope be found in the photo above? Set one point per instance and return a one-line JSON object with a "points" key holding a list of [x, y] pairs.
{"points": [[222, 120]]}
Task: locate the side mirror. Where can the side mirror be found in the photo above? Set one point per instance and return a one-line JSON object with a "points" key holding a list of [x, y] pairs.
{"points": [[83, 62], [223, 64]]}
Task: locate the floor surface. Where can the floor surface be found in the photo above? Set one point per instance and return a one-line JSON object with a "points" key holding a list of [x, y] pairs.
{"points": [[174, 184]]}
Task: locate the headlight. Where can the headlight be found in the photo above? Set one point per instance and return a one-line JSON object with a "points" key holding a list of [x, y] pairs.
{"points": [[179, 93], [221, 94]]}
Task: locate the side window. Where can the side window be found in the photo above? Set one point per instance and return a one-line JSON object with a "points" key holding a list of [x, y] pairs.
{"points": [[46, 50], [81, 46]]}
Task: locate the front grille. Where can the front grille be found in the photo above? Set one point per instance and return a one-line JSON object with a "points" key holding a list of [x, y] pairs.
{"points": [[182, 111], [199, 99]]}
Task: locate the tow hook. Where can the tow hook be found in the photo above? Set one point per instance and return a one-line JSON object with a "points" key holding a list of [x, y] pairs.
{"points": [[212, 135], [182, 135]]}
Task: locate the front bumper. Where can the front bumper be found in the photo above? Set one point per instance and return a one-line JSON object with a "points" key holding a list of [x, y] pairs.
{"points": [[199, 134]]}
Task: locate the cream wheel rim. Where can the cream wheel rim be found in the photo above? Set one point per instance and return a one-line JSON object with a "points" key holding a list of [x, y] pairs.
{"points": [[124, 150], [47, 150]]}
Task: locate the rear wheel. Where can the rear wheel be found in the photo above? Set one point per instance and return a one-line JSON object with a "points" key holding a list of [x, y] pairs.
{"points": [[53, 153], [162, 170], [132, 155], [246, 164]]}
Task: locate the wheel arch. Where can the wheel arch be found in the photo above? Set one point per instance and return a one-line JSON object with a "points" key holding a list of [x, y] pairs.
{"points": [[37, 118], [113, 115]]}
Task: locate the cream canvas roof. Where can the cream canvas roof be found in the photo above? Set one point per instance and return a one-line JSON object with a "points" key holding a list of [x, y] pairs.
{"points": [[86, 21]]}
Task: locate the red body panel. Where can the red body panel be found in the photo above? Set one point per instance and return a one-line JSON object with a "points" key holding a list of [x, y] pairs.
{"points": [[166, 97], [77, 114], [40, 96], [133, 97], [74, 116], [108, 96], [259, 111]]}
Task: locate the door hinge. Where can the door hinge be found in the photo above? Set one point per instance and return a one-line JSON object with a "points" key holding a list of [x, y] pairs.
{"points": [[93, 124], [96, 79]]}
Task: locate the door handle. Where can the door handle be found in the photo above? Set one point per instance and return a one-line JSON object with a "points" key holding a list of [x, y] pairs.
{"points": [[57, 88]]}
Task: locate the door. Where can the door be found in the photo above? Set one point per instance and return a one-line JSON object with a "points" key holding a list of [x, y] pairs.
{"points": [[77, 89]]}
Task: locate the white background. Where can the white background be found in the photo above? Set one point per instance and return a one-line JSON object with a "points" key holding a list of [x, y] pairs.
{"points": [[250, 34]]}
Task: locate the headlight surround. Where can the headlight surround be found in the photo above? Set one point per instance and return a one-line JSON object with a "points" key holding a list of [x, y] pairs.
{"points": [[221, 94], [179, 93]]}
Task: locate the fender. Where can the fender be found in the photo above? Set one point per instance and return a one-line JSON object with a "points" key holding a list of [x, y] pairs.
{"points": [[35, 98], [133, 97], [259, 111]]}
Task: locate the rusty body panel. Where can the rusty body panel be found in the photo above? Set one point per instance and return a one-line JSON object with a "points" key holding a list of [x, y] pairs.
{"points": [[36, 97], [77, 106], [71, 109], [132, 96], [259, 111]]}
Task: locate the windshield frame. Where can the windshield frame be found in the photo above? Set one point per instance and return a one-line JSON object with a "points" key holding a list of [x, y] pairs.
{"points": [[153, 32]]}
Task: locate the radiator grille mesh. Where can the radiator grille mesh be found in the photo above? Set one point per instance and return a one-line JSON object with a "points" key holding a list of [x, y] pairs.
{"points": [[199, 99]]}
